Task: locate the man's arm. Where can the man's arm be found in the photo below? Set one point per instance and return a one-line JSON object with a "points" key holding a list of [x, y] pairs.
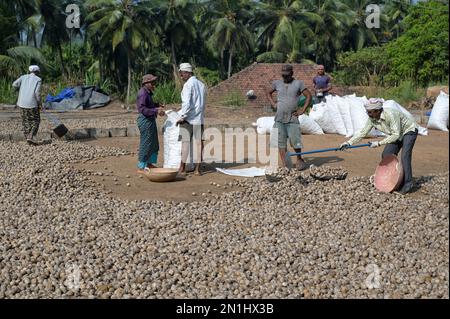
{"points": [[143, 109], [269, 93], [361, 134], [308, 96], [17, 83], [37, 93], [186, 95], [329, 86]]}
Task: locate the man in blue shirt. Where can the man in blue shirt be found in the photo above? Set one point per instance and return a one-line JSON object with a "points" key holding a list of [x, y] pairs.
{"points": [[322, 84]]}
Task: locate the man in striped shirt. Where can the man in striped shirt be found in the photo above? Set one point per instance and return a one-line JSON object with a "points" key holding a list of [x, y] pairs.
{"points": [[401, 133]]}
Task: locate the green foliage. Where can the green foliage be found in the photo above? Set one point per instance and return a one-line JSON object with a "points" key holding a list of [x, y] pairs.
{"points": [[207, 76], [271, 57], [404, 93], [229, 29], [54, 88], [167, 93], [421, 53], [233, 99], [364, 67], [124, 39], [8, 94]]}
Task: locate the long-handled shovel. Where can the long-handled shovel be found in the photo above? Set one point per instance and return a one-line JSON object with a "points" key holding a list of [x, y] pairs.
{"points": [[58, 127], [289, 154]]}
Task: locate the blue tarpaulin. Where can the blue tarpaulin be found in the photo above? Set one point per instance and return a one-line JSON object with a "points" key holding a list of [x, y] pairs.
{"points": [[78, 97], [66, 93]]}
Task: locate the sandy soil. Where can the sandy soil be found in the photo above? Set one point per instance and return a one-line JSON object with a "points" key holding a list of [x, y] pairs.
{"points": [[430, 157]]}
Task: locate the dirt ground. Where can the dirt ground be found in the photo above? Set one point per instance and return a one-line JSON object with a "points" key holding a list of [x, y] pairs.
{"points": [[430, 157]]}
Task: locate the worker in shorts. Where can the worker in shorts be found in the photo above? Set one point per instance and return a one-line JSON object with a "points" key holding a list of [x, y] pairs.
{"points": [[287, 112]]}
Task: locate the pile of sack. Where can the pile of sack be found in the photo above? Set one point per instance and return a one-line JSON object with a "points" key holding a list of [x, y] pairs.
{"points": [[344, 115], [439, 115]]}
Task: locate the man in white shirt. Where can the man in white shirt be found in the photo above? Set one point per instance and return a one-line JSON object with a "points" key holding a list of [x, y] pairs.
{"points": [[29, 101], [193, 100]]}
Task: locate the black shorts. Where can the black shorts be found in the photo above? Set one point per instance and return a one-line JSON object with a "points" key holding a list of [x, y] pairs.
{"points": [[189, 131]]}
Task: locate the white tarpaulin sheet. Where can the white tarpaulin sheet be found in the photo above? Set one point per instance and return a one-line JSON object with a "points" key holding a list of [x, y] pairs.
{"points": [[243, 172]]}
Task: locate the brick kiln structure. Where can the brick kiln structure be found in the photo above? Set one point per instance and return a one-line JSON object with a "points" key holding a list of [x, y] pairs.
{"points": [[258, 77]]}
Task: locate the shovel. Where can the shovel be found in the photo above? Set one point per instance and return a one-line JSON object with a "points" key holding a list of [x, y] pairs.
{"points": [[289, 154], [58, 127]]}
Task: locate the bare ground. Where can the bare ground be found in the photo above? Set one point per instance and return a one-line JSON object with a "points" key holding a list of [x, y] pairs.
{"points": [[430, 157]]}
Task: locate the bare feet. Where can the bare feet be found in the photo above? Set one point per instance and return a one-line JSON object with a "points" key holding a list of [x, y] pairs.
{"points": [[143, 171], [301, 165]]}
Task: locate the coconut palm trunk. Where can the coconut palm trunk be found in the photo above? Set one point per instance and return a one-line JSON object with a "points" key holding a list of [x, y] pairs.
{"points": [[230, 63], [129, 78], [61, 58], [176, 76]]}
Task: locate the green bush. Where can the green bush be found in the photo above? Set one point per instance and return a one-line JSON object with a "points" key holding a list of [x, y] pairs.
{"points": [[8, 94], [271, 57], [167, 93], [404, 93], [421, 53], [365, 67], [234, 99], [209, 77]]}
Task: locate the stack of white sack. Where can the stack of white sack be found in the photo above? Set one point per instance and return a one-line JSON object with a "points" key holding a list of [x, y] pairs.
{"points": [[338, 115], [307, 125], [440, 113]]}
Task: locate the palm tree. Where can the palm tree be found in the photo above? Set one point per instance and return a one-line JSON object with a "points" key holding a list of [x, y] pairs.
{"points": [[359, 34], [277, 16], [285, 27], [396, 11], [121, 27], [230, 29], [177, 20], [14, 57], [330, 31]]}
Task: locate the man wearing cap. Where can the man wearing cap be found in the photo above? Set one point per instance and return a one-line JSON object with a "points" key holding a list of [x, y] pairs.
{"points": [[322, 84], [193, 100], [29, 101], [148, 111], [286, 119], [401, 133]]}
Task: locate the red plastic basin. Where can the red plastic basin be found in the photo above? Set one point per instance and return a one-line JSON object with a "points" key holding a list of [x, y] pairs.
{"points": [[389, 174]]}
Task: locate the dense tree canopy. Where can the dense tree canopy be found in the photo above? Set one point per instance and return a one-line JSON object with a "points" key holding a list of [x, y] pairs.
{"points": [[120, 40]]}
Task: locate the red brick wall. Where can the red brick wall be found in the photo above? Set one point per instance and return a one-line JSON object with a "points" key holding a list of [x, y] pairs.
{"points": [[258, 77]]}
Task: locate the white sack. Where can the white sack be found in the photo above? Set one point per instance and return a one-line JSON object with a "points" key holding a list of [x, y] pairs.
{"points": [[440, 113], [320, 114], [264, 125], [344, 110]]}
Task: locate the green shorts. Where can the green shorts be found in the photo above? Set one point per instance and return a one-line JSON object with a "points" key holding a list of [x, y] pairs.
{"points": [[291, 131]]}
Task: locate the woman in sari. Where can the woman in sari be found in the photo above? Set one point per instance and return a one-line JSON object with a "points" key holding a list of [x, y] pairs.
{"points": [[148, 112]]}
